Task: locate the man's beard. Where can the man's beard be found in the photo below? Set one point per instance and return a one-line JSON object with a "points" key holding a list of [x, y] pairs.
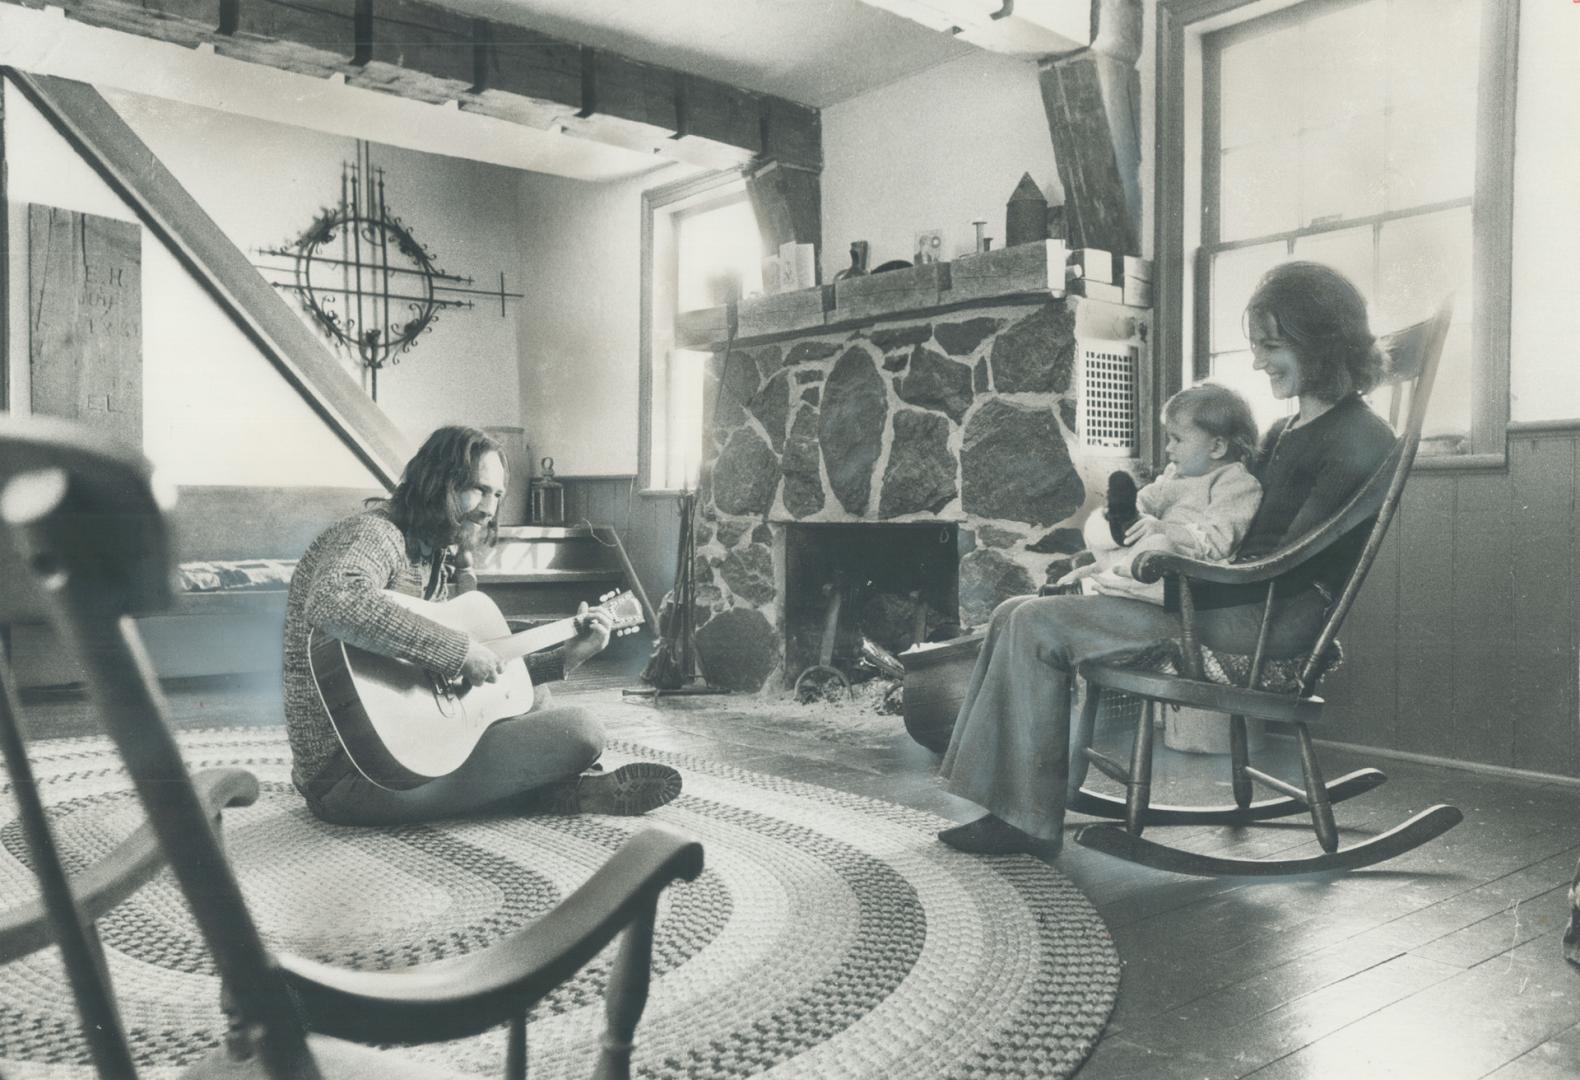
{"points": [[471, 535]]}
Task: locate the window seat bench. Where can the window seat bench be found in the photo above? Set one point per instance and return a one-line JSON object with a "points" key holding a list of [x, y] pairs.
{"points": [[238, 546]]}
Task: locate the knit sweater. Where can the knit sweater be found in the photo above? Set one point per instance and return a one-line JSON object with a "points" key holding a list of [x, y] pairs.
{"points": [[1307, 474], [338, 587], [1214, 510]]}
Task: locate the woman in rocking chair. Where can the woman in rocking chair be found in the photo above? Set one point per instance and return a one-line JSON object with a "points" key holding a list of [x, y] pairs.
{"points": [[1010, 753]]}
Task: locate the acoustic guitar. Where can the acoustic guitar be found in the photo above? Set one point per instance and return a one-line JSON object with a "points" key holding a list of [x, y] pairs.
{"points": [[402, 725]]}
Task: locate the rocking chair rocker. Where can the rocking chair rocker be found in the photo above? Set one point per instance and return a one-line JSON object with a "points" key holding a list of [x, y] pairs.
{"points": [[90, 550], [1412, 356]]}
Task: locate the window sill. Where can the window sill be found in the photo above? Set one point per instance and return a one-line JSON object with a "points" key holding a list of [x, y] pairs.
{"points": [[1461, 462]]}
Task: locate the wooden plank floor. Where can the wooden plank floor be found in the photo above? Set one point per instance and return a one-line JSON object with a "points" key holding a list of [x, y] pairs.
{"points": [[1445, 963]]}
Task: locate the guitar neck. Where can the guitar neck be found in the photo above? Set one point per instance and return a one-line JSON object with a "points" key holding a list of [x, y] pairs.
{"points": [[534, 639]]}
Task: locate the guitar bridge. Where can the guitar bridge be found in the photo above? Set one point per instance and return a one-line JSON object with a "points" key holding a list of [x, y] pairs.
{"points": [[444, 696]]}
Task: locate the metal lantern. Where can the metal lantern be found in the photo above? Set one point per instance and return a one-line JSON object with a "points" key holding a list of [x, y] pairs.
{"points": [[548, 497]]}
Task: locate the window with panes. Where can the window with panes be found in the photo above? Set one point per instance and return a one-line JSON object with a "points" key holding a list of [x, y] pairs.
{"points": [[1345, 132], [705, 248]]}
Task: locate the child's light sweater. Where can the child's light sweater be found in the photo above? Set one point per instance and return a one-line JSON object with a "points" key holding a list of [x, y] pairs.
{"points": [[1213, 510], [1204, 517]]}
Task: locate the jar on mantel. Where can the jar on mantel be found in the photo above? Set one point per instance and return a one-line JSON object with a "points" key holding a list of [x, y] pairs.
{"points": [[547, 497]]}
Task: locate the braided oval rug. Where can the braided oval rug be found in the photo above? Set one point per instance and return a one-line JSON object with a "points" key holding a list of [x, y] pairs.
{"points": [[830, 935]]}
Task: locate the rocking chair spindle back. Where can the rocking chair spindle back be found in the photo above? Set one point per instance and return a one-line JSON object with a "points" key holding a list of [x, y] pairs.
{"points": [[1411, 358], [87, 537]]}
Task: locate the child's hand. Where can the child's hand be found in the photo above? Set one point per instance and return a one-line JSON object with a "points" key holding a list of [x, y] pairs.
{"points": [[1145, 525], [1076, 575]]}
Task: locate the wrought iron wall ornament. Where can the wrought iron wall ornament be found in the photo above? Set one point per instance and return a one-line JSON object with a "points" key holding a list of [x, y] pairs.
{"points": [[366, 279]]}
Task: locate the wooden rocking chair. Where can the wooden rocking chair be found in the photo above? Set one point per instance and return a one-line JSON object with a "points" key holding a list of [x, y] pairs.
{"points": [[1412, 356], [85, 542]]}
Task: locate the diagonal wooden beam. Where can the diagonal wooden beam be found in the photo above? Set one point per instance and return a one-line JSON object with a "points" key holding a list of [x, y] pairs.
{"points": [[126, 163], [1093, 101]]}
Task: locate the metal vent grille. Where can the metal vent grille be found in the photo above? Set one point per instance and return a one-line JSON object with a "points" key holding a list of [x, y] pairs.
{"points": [[1105, 416]]}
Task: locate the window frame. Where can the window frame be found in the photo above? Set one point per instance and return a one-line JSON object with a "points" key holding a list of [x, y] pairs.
{"points": [[1180, 205], [668, 201]]}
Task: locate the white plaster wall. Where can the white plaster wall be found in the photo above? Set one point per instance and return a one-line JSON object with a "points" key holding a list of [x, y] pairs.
{"points": [[211, 402], [581, 326], [1544, 342], [935, 150], [214, 410], [264, 182]]}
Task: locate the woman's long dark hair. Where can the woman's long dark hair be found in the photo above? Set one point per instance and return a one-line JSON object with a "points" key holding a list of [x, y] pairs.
{"points": [[1322, 315], [426, 502]]}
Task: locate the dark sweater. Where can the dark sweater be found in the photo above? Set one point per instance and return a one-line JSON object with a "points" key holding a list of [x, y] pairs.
{"points": [[1307, 474]]}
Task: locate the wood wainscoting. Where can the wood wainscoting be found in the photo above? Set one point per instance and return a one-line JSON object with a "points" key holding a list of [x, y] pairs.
{"points": [[648, 524], [1462, 644]]}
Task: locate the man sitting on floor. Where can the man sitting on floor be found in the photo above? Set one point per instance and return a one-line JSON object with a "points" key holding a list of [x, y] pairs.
{"points": [[440, 514]]}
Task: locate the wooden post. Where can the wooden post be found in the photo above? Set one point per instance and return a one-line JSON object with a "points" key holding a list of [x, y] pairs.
{"points": [[626, 995], [787, 202], [1138, 787], [1093, 100]]}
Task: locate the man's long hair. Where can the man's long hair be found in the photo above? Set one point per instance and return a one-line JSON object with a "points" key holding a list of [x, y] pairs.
{"points": [[426, 502]]}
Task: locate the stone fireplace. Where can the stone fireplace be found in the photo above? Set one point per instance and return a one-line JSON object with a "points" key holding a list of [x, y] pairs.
{"points": [[933, 405]]}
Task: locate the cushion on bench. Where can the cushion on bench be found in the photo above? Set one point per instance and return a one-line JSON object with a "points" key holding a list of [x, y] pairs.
{"points": [[235, 574]]}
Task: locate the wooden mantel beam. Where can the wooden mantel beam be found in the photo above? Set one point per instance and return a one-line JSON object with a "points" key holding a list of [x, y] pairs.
{"points": [[427, 52]]}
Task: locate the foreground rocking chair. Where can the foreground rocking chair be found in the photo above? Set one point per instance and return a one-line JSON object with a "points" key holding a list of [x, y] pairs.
{"points": [[90, 548], [1412, 364]]}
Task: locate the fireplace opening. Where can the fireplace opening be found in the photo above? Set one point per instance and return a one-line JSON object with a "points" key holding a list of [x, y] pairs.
{"points": [[896, 584]]}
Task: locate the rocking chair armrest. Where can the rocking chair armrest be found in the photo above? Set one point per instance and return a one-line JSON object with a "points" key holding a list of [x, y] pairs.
{"points": [[464, 995], [125, 869], [1150, 566]]}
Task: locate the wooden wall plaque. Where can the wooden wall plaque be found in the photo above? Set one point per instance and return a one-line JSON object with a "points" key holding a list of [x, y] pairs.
{"points": [[85, 320]]}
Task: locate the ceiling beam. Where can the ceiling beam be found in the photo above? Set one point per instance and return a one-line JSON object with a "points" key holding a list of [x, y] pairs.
{"points": [[426, 52], [1026, 28]]}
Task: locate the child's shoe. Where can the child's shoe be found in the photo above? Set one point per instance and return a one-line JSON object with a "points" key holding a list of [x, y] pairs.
{"points": [[1122, 511]]}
